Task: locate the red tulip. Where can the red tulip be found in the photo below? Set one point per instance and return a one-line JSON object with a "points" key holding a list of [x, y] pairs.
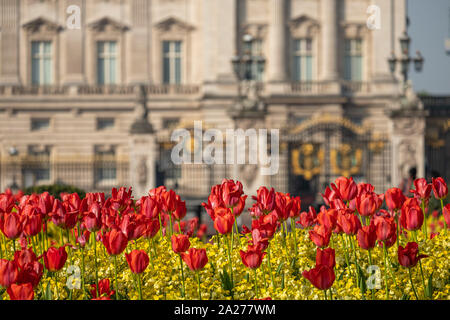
{"points": [[92, 219], [231, 192], [439, 188], [237, 210], [115, 241], [367, 204], [137, 261], [408, 256], [265, 199], [296, 207], [196, 259], [422, 189], [180, 211], [322, 277], [446, 214], [320, 235], [325, 257], [21, 291], [328, 218], [253, 257], [31, 272], [348, 222], [152, 228], [180, 243], [55, 259], [367, 237], [394, 198], [411, 217], [258, 241], [308, 219], [11, 225], [150, 207], [24, 256], [224, 220], [283, 205], [385, 227], [8, 272], [345, 187], [32, 220], [103, 289]]}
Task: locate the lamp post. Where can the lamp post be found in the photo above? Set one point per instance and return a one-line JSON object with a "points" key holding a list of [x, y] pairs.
{"points": [[249, 104], [13, 152], [405, 59]]}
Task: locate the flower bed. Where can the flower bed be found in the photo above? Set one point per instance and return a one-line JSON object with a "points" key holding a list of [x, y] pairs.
{"points": [[122, 248]]}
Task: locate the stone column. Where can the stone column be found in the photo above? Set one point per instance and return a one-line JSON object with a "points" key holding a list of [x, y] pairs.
{"points": [[330, 39], [143, 150], [408, 143], [226, 42], [277, 41], [10, 29]]}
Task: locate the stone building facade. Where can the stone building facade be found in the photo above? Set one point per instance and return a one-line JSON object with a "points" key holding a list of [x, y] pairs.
{"points": [[70, 97]]}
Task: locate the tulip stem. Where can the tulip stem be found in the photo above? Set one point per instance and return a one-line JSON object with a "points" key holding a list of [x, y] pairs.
{"points": [[150, 252], [256, 283], [270, 266], [198, 283], [389, 265], [294, 231], [424, 228], [325, 293], [115, 276], [412, 284], [356, 266], [160, 225], [95, 263], [385, 272], [264, 275], [370, 264], [139, 286], [420, 263], [182, 277], [445, 223], [347, 260], [229, 260], [82, 269]]}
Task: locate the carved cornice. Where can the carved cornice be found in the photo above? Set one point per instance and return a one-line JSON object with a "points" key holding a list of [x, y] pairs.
{"points": [[303, 26], [41, 24], [256, 30], [173, 24], [107, 24], [354, 29]]}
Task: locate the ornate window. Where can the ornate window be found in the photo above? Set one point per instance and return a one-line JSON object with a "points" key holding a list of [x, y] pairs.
{"points": [[172, 51], [304, 46], [40, 46], [356, 45], [105, 166], [172, 62], [106, 62], [353, 60], [302, 60], [105, 51]]}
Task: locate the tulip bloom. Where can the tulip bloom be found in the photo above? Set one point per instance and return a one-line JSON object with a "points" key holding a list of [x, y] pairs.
{"points": [[137, 260], [346, 188], [253, 257], [394, 198], [224, 220], [320, 235], [367, 237], [231, 192], [326, 257], [348, 222], [196, 259], [322, 276], [11, 225], [180, 243], [104, 290], [439, 188], [446, 214], [115, 242], [408, 256], [385, 227], [367, 204], [422, 189], [307, 219], [265, 199], [21, 291], [411, 217], [8, 272], [55, 259]]}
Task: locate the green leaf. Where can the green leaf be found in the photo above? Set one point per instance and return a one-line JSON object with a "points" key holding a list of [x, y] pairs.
{"points": [[341, 276], [405, 296], [279, 268], [226, 281], [48, 292], [429, 289], [247, 276], [362, 280]]}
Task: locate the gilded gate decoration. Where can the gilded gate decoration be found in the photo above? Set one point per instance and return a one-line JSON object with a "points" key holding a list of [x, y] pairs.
{"points": [[323, 148], [345, 160], [307, 160]]}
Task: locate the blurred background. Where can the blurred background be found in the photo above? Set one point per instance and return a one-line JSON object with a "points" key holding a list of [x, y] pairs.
{"points": [[91, 90]]}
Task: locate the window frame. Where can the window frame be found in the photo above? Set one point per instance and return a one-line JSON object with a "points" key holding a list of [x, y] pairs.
{"points": [[353, 53], [107, 56], [300, 53], [172, 55]]}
